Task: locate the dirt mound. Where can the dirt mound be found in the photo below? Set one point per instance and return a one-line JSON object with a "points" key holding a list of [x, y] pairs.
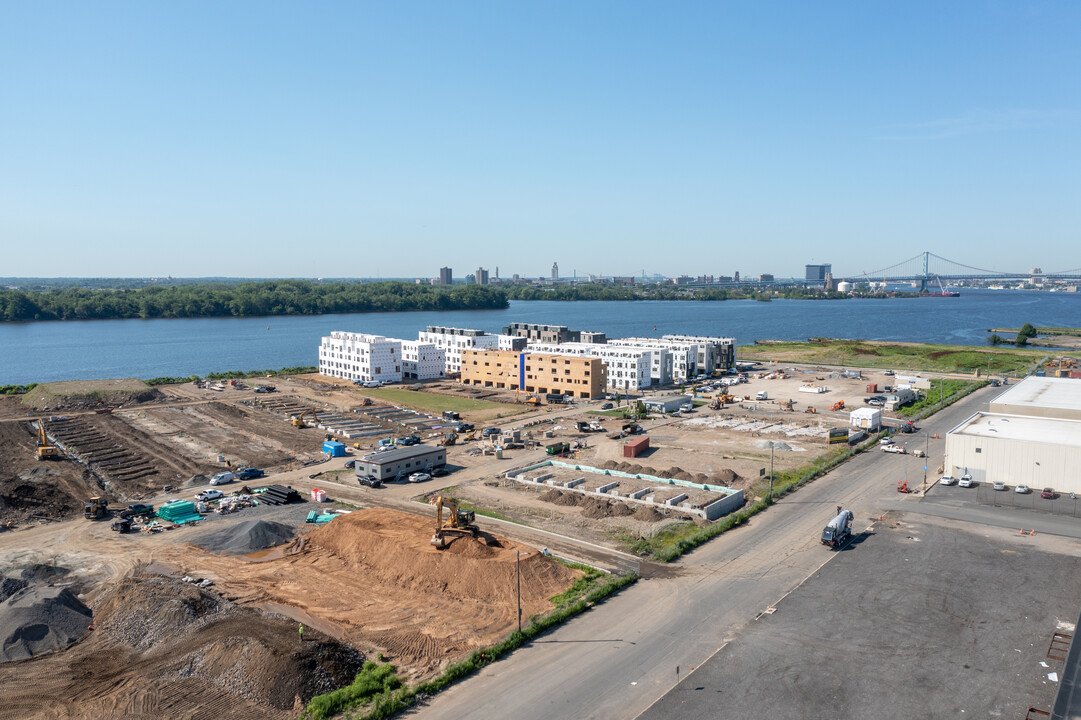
{"points": [[248, 536], [674, 471], [10, 586], [620, 509], [394, 547], [725, 477], [551, 495], [609, 465], [645, 513], [568, 499], [36, 620], [42, 573], [181, 631], [88, 394], [595, 508]]}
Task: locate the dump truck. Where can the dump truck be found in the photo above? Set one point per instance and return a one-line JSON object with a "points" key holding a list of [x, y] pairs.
{"points": [[459, 522], [839, 530]]}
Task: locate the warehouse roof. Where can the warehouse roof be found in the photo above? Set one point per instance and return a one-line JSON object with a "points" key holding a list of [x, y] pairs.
{"points": [[1021, 427], [399, 453], [1044, 396]]}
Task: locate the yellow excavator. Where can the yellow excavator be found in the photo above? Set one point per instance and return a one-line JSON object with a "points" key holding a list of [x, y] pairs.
{"points": [[46, 450], [459, 522], [531, 399], [298, 420]]}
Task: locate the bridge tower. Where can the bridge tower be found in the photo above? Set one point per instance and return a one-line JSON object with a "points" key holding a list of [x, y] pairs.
{"points": [[926, 274]]}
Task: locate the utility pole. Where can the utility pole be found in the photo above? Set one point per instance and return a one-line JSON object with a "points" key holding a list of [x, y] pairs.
{"points": [[771, 470], [518, 572]]}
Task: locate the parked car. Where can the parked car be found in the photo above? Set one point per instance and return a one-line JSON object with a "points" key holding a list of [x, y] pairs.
{"points": [[886, 441], [1022, 490], [222, 478], [1048, 494], [876, 401], [440, 472], [947, 480], [490, 431], [607, 406], [369, 480], [409, 440], [610, 396], [419, 477], [887, 372], [350, 462], [207, 495], [371, 384], [999, 485], [249, 473], [140, 509], [966, 481]]}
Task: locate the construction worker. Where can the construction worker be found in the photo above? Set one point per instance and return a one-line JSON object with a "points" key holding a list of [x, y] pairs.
{"points": [[301, 632]]}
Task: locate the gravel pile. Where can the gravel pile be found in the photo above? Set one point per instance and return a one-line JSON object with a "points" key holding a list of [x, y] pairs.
{"points": [[245, 537], [37, 620], [143, 612], [10, 586]]}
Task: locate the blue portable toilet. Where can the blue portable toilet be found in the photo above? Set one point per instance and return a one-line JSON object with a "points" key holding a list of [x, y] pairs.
{"points": [[335, 448]]}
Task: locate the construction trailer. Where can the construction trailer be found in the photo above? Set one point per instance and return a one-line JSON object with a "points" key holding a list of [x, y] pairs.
{"points": [[869, 419], [401, 461], [334, 448]]}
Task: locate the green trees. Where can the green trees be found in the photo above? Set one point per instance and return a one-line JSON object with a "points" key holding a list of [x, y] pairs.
{"points": [[1026, 333], [275, 297]]}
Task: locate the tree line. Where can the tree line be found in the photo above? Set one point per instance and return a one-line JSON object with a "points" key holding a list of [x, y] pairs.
{"points": [[249, 299]]}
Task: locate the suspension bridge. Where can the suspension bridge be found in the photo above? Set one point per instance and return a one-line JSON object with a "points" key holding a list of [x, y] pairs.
{"points": [[929, 270]]}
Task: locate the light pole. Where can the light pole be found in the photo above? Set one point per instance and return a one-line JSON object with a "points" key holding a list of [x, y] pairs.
{"points": [[771, 470], [518, 572]]}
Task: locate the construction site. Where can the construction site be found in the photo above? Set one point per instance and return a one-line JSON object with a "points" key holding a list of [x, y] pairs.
{"points": [[130, 590]]}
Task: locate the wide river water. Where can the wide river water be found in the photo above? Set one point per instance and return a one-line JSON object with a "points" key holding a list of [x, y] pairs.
{"points": [[50, 351]]}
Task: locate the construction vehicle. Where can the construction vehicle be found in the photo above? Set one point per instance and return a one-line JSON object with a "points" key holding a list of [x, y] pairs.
{"points": [[531, 399], [459, 522], [448, 439], [122, 525], [839, 405], [298, 420], [46, 450], [558, 448], [810, 409], [839, 530], [789, 405], [96, 509]]}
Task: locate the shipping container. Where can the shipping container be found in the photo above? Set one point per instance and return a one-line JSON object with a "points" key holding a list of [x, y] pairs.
{"points": [[636, 447]]}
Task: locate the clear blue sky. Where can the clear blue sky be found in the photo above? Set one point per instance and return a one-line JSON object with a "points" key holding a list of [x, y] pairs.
{"points": [[270, 139]]}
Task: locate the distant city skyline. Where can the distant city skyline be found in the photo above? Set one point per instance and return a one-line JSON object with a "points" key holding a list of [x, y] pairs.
{"points": [[262, 140]]}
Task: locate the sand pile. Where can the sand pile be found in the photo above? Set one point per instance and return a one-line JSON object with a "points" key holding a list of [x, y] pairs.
{"points": [[394, 548], [248, 536], [36, 620]]}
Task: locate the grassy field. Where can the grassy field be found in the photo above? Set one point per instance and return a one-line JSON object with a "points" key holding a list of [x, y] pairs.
{"points": [[436, 403], [898, 356]]}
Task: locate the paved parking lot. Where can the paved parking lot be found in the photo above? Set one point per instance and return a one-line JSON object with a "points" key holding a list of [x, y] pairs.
{"points": [[920, 617]]}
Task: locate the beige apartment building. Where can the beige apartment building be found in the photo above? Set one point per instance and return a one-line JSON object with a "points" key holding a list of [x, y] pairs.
{"points": [[577, 376]]}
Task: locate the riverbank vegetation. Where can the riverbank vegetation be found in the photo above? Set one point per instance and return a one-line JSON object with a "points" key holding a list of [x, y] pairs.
{"points": [[249, 299], [914, 357]]}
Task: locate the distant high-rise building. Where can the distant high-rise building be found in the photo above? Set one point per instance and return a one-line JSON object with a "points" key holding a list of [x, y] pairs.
{"points": [[737, 276], [496, 272], [818, 272], [481, 276], [555, 272], [446, 276]]}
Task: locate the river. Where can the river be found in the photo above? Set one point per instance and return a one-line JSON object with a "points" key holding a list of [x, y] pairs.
{"points": [[50, 351]]}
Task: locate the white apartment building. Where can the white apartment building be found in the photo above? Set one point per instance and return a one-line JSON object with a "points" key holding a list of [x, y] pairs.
{"points": [[422, 361], [714, 353], [453, 340], [629, 368], [679, 361], [356, 356]]}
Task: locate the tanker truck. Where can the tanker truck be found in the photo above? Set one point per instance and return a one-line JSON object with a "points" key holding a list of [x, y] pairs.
{"points": [[839, 530]]}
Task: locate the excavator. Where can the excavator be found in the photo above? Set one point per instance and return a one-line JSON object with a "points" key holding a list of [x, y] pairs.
{"points": [[839, 405], [531, 399], [459, 522], [46, 450], [448, 439], [298, 420]]}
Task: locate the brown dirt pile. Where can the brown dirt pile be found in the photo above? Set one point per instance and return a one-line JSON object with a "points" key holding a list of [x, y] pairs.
{"points": [[725, 477], [394, 548], [551, 495], [646, 513], [595, 508]]}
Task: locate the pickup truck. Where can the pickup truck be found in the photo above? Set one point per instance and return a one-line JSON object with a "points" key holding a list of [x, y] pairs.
{"points": [[899, 449]]}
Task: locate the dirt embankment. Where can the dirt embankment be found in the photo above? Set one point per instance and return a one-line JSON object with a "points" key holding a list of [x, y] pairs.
{"points": [[164, 648]]}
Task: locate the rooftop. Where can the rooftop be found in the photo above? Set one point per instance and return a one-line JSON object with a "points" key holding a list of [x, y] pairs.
{"points": [[1042, 392], [399, 453], [1022, 427]]}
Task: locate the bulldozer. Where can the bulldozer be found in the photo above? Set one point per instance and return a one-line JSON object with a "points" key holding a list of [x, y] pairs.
{"points": [[96, 509], [448, 439], [298, 420], [46, 450], [459, 522]]}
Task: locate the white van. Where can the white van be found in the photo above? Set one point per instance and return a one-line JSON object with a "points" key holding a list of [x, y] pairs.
{"points": [[222, 478], [762, 395]]}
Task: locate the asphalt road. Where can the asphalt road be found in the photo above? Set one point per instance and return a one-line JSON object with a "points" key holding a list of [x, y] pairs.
{"points": [[620, 657]]}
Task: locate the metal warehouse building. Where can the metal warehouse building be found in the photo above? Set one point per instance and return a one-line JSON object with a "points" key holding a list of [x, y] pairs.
{"points": [[1031, 436], [389, 464]]}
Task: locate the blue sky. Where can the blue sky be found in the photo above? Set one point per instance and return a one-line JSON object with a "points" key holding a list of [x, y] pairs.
{"points": [[272, 139]]}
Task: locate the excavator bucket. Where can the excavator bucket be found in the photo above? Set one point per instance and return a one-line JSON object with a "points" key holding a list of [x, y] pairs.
{"points": [[439, 541]]}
